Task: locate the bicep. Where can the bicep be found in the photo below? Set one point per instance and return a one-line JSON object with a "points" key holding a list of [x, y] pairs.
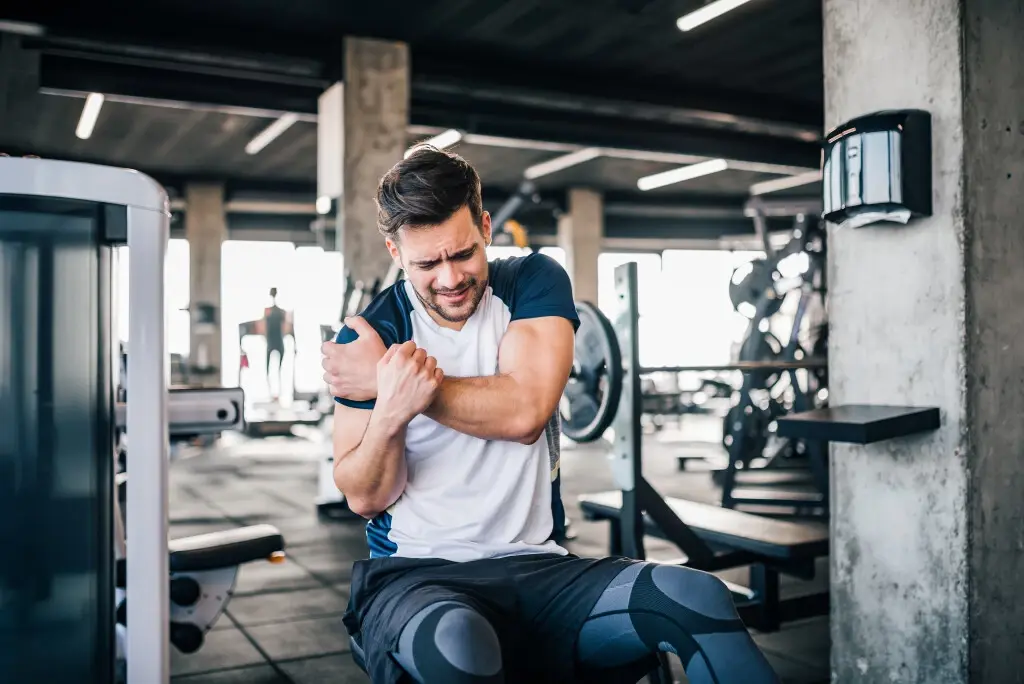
{"points": [[538, 353], [349, 427]]}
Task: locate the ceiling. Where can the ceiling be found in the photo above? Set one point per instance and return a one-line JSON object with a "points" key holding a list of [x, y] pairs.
{"points": [[189, 83]]}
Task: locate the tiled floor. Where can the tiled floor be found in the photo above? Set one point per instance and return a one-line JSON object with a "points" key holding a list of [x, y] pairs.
{"points": [[284, 623]]}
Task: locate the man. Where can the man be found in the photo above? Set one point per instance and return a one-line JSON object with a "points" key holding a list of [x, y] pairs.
{"points": [[275, 327], [446, 439]]}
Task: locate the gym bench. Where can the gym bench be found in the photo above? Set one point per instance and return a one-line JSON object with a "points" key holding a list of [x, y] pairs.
{"points": [[734, 539]]}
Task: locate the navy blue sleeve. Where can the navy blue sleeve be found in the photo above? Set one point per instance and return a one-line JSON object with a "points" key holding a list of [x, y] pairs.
{"points": [[388, 314], [540, 288]]}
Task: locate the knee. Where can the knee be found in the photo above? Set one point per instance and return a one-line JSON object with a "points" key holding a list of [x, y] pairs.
{"points": [[696, 590], [452, 644], [468, 641]]}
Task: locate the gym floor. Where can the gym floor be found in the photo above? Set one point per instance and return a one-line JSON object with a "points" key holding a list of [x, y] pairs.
{"points": [[284, 623]]}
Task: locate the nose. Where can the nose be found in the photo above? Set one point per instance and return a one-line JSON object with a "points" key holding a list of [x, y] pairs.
{"points": [[448, 277]]}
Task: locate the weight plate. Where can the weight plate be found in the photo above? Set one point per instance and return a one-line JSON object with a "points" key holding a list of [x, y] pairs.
{"points": [[591, 396], [750, 283]]}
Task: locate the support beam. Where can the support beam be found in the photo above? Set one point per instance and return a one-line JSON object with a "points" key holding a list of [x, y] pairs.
{"points": [[361, 135], [206, 230], [926, 529], [579, 233]]}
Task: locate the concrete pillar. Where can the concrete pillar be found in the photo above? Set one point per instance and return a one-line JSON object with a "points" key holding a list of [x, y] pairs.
{"points": [[362, 129], [579, 234], [927, 550], [206, 230]]}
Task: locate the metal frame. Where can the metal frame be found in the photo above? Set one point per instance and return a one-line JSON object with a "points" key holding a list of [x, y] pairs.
{"points": [[759, 605], [148, 645]]}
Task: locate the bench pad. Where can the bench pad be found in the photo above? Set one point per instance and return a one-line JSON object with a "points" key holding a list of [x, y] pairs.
{"points": [[737, 530], [225, 548]]}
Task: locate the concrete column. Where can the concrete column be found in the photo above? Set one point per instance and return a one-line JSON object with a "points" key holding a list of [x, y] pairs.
{"points": [[362, 131], [206, 230], [927, 550], [579, 234]]}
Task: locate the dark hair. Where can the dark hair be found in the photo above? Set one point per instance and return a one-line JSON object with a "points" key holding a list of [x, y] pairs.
{"points": [[425, 189]]}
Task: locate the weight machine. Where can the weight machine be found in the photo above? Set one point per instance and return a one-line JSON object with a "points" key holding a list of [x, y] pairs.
{"points": [[711, 538], [71, 570]]}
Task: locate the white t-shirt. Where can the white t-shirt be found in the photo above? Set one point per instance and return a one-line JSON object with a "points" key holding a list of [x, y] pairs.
{"points": [[468, 498]]}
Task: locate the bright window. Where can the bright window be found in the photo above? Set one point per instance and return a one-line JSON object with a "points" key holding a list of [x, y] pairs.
{"points": [[176, 295], [650, 298]]}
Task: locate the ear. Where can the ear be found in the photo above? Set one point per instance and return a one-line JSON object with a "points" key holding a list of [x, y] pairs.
{"points": [[393, 249], [485, 227]]}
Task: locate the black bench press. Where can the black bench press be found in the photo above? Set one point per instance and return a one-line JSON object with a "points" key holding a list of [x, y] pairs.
{"points": [[712, 538]]}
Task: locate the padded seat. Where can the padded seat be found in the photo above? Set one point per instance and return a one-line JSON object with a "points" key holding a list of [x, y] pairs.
{"points": [[226, 548], [767, 537]]}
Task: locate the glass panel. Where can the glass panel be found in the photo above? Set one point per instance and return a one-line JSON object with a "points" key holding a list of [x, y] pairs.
{"points": [[56, 581]]}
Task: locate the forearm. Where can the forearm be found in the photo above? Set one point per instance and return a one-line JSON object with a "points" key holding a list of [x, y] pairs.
{"points": [[373, 474], [493, 407]]}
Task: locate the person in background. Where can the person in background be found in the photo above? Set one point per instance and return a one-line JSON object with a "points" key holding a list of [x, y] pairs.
{"points": [[276, 325]]}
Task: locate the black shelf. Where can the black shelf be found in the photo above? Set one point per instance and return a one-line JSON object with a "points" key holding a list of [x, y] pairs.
{"points": [[859, 423]]}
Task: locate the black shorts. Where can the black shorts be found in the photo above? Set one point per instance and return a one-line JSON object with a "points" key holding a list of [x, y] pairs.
{"points": [[537, 604]]}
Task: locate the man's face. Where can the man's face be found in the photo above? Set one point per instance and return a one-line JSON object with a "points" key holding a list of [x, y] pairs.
{"points": [[446, 264]]}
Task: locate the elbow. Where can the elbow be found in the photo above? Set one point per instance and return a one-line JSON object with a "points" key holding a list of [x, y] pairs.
{"points": [[528, 428], [364, 507]]}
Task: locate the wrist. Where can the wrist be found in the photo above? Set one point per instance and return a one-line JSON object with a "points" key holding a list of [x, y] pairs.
{"points": [[387, 421]]}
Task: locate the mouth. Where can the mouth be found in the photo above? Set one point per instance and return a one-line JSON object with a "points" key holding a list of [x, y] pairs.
{"points": [[454, 297]]}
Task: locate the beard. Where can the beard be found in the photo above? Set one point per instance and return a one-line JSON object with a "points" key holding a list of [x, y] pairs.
{"points": [[458, 313]]}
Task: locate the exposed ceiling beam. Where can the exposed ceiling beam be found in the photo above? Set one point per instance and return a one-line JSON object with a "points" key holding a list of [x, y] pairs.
{"points": [[436, 102], [628, 95]]}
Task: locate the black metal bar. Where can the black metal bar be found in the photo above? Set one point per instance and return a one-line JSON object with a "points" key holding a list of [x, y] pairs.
{"points": [[747, 366], [765, 582], [674, 529], [738, 433], [627, 457]]}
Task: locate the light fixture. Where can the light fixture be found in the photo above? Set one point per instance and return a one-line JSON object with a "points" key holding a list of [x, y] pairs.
{"points": [[271, 132], [708, 12], [440, 141], [323, 205], [681, 174], [785, 183], [90, 112], [561, 163], [21, 28]]}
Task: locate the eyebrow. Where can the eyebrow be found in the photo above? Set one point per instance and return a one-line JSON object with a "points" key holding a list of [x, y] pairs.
{"points": [[461, 254]]}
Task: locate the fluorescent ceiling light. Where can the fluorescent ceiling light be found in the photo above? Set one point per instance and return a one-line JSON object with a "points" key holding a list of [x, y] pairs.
{"points": [[90, 112], [785, 183], [21, 28], [323, 205], [681, 174], [561, 163], [440, 141], [708, 12], [271, 133]]}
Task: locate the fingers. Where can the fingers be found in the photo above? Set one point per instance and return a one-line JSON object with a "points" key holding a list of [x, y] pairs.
{"points": [[359, 325], [429, 364], [419, 356], [438, 376], [402, 352]]}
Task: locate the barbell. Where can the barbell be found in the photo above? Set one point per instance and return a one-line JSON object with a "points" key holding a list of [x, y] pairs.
{"points": [[591, 396]]}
